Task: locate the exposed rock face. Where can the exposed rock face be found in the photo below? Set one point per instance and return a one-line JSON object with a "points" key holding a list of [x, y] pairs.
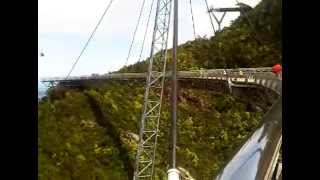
{"points": [[185, 174], [132, 136]]}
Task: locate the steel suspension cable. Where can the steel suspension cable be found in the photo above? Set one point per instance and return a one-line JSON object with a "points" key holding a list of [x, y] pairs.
{"points": [[91, 36], [145, 33], [194, 29], [135, 32], [214, 30]]}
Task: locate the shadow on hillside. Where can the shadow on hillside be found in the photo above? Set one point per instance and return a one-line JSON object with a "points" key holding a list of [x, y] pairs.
{"points": [[113, 133]]}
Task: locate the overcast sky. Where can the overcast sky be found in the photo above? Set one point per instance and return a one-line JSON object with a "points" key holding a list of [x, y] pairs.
{"points": [[65, 25]]}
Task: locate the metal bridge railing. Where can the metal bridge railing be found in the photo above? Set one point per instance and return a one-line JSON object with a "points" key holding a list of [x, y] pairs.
{"points": [[238, 77]]}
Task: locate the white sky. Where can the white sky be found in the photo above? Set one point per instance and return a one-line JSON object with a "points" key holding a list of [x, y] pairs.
{"points": [[65, 25]]}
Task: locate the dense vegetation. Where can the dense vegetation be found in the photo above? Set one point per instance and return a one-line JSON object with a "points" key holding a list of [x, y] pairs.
{"points": [[254, 41], [92, 133]]}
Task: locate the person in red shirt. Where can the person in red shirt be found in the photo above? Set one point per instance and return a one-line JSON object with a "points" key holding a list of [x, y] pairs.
{"points": [[277, 69]]}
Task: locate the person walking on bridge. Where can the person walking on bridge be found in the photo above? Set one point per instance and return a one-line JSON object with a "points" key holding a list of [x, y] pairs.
{"points": [[277, 70], [201, 72]]}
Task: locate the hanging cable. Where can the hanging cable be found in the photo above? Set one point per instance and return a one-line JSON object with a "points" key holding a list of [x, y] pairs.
{"points": [[225, 71], [91, 36], [135, 32], [214, 30], [194, 29], [145, 33]]}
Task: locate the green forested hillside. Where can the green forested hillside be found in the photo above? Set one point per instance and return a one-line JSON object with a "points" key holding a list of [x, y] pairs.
{"points": [[254, 41], [91, 134]]}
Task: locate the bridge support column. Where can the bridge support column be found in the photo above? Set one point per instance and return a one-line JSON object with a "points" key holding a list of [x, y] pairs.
{"points": [[51, 84]]}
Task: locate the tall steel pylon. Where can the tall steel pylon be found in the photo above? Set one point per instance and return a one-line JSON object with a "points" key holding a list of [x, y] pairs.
{"points": [[149, 124]]}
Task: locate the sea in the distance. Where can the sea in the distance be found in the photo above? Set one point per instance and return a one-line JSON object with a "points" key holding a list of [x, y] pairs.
{"points": [[42, 90]]}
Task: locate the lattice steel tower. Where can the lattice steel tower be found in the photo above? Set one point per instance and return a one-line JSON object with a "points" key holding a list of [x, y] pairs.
{"points": [[149, 124]]}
